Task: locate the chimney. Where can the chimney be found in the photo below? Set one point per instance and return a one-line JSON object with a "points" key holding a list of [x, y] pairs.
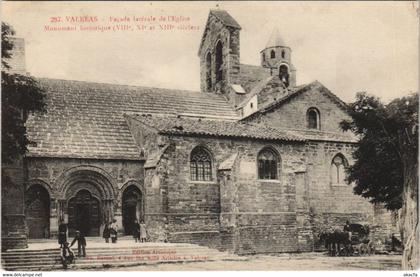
{"points": [[17, 59]]}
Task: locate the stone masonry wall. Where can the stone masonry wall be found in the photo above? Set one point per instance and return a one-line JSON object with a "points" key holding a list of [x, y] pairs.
{"points": [[47, 172], [13, 227], [17, 61], [293, 114], [217, 31], [282, 215], [330, 204], [262, 217]]}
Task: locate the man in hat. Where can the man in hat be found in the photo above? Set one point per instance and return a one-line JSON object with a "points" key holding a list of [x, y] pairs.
{"points": [[81, 244]]}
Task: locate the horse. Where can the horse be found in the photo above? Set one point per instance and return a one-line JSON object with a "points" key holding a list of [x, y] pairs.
{"points": [[336, 242]]}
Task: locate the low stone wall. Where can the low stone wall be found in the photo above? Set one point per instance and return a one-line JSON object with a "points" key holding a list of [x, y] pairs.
{"points": [[206, 238]]}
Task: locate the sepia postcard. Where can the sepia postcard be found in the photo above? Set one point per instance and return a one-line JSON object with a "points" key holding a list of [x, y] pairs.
{"points": [[185, 136]]}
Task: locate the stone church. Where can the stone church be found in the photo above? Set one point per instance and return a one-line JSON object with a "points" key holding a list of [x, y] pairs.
{"points": [[253, 163]]}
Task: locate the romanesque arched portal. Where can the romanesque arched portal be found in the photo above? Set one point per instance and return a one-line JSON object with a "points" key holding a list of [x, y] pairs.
{"points": [[84, 214], [131, 208], [86, 199], [37, 211]]}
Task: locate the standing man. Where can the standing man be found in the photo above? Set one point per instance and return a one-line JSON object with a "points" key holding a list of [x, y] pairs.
{"points": [[136, 230], [106, 233], [347, 228], [81, 244], [62, 233]]}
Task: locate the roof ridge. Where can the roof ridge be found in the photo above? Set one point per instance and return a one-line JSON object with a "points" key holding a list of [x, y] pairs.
{"points": [[218, 128], [117, 84], [228, 20], [273, 104]]}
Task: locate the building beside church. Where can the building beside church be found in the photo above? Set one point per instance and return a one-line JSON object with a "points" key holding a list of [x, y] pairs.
{"points": [[254, 163]]}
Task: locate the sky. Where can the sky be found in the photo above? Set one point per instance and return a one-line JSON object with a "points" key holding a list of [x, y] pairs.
{"points": [[347, 46]]}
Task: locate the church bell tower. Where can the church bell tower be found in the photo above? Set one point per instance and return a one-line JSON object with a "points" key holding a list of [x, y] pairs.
{"points": [[219, 53], [278, 58]]}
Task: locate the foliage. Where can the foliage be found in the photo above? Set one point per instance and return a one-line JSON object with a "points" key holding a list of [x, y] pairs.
{"points": [[6, 44], [388, 138], [20, 95]]}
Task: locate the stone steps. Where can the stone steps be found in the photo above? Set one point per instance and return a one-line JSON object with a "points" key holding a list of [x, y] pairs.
{"points": [[120, 256], [102, 253]]}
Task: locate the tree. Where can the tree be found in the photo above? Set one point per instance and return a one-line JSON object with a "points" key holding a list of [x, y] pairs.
{"points": [[386, 161], [20, 96]]}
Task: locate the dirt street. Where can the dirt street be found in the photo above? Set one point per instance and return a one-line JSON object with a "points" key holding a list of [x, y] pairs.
{"points": [[301, 262]]}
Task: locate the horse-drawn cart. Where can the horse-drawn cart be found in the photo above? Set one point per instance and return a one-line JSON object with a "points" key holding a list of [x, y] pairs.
{"points": [[354, 241]]}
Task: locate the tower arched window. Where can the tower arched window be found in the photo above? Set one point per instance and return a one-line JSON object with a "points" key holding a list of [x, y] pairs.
{"points": [[283, 54], [219, 61], [272, 54], [313, 119], [208, 72], [338, 169], [284, 74], [200, 165], [268, 162]]}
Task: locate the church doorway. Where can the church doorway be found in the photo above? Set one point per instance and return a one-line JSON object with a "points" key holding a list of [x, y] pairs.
{"points": [[84, 214], [131, 208], [37, 211]]}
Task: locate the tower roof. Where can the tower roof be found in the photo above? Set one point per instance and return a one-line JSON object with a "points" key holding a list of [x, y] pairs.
{"points": [[275, 39], [225, 17]]}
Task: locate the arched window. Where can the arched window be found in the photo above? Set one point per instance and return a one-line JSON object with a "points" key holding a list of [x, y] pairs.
{"points": [[338, 169], [263, 57], [283, 54], [208, 72], [313, 119], [272, 54], [219, 62], [284, 74], [268, 162], [200, 165]]}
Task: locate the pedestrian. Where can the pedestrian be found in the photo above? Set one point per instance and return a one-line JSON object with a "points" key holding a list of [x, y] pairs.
{"points": [[66, 255], [114, 231], [81, 244], [143, 231], [106, 233], [62, 233], [347, 228], [136, 230]]}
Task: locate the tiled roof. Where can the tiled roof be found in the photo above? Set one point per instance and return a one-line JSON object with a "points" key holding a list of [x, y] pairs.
{"points": [[251, 75], [316, 135], [172, 125], [275, 39], [273, 86], [85, 120], [226, 18], [295, 92]]}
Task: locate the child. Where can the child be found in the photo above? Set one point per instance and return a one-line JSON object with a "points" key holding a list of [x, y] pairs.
{"points": [[143, 232], [81, 244], [66, 255], [113, 231]]}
